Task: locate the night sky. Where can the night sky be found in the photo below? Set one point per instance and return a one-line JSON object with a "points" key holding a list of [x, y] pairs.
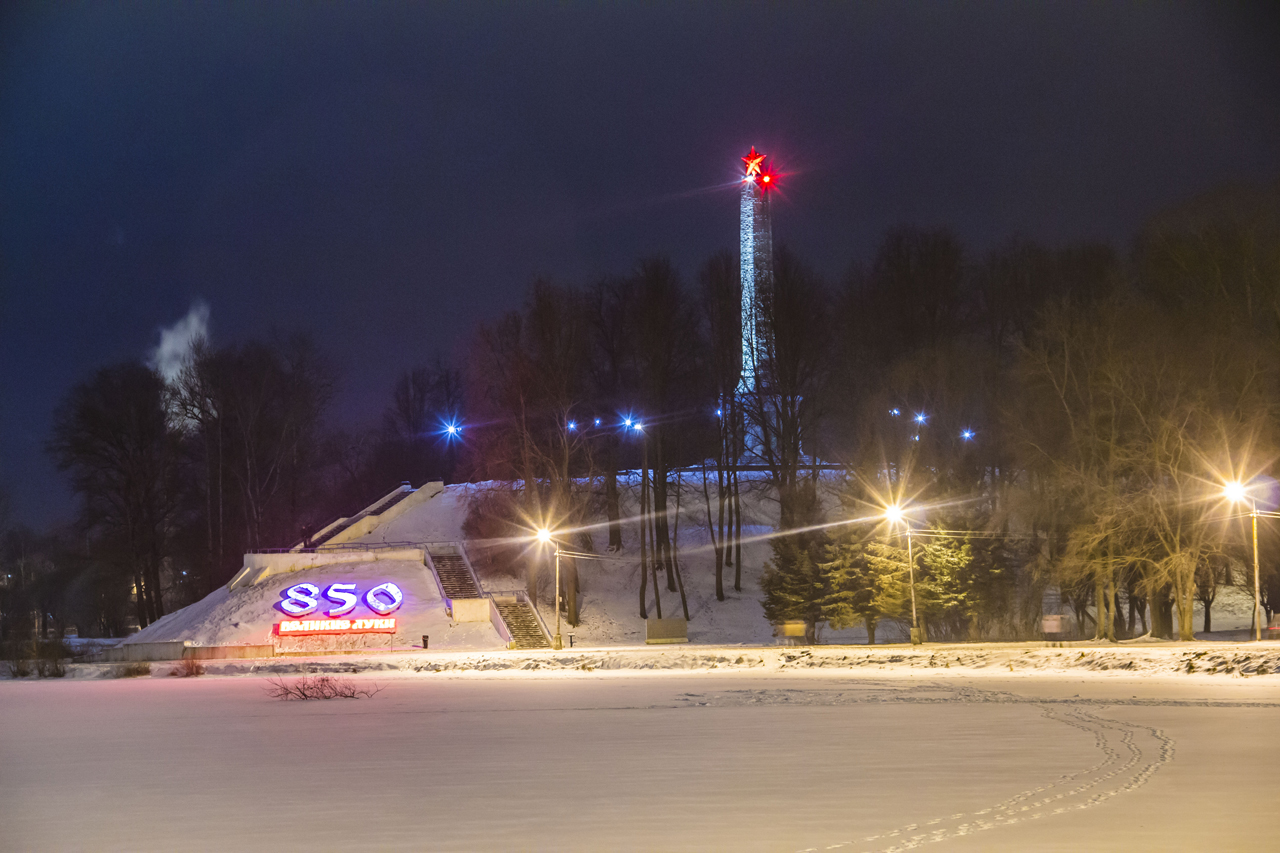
{"points": [[387, 175]]}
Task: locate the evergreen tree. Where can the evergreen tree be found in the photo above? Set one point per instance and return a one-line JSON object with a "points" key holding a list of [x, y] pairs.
{"points": [[798, 588]]}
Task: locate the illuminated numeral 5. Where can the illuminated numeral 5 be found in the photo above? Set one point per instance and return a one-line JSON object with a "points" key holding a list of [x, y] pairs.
{"points": [[343, 595], [300, 599]]}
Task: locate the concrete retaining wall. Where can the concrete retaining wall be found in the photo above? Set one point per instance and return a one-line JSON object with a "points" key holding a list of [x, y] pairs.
{"points": [[229, 652], [259, 567], [470, 609], [179, 649], [369, 523], [499, 625], [666, 631], [145, 651]]}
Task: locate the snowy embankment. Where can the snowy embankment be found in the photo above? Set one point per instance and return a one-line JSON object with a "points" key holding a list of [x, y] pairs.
{"points": [[609, 586], [608, 589], [958, 660], [247, 615]]}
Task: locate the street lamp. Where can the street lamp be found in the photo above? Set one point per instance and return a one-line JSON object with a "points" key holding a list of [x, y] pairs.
{"points": [[1236, 492], [544, 536], [895, 515]]}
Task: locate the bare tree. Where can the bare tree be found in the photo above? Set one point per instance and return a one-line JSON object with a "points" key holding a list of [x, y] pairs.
{"points": [[254, 413], [112, 435]]}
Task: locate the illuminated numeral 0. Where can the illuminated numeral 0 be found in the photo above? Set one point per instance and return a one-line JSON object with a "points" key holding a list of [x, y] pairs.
{"points": [[384, 598]]}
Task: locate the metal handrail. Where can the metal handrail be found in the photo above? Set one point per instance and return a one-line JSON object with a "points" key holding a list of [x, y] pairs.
{"points": [[350, 546], [523, 595]]}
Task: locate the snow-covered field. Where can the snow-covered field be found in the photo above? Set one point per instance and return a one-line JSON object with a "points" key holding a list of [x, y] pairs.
{"points": [[714, 760]]}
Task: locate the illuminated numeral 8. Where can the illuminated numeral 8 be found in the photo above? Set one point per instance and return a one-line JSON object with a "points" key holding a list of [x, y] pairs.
{"points": [[301, 599]]}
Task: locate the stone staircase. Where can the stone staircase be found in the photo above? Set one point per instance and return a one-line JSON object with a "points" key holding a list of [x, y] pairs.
{"points": [[526, 632], [455, 577]]}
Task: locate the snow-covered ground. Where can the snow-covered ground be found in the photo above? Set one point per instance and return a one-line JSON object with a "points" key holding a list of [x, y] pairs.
{"points": [[609, 589], [720, 760]]}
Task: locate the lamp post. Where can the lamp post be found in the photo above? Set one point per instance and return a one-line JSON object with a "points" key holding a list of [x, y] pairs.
{"points": [[895, 515], [544, 535], [1238, 493]]}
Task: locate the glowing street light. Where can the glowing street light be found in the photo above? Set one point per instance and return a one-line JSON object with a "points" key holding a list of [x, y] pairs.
{"points": [[921, 417], [1237, 492], [966, 434], [544, 536], [573, 426], [896, 515]]}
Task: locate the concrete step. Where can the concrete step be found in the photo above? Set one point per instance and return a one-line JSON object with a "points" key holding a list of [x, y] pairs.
{"points": [[455, 578]]}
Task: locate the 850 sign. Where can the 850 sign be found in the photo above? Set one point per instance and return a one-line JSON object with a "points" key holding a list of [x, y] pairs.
{"points": [[303, 599]]}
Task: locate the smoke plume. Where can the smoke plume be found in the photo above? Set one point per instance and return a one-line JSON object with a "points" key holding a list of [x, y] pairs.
{"points": [[176, 341]]}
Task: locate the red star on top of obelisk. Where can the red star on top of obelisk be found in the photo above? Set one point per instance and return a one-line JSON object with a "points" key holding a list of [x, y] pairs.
{"points": [[753, 161]]}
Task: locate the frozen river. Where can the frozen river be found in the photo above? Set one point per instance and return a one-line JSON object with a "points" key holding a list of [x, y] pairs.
{"points": [[648, 761]]}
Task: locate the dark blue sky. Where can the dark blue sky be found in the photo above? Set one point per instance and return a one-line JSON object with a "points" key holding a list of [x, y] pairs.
{"points": [[386, 175]]}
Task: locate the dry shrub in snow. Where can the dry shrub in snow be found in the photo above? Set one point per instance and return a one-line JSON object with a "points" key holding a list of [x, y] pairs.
{"points": [[320, 687], [133, 670], [19, 667], [186, 668], [45, 658]]}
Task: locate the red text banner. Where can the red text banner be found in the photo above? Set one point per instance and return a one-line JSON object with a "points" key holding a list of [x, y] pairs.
{"points": [[309, 627]]}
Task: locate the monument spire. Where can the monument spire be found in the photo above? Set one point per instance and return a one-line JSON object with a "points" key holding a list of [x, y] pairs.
{"points": [[755, 244]]}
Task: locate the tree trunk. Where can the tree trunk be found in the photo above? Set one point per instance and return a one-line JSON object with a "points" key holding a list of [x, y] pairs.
{"points": [[661, 521], [571, 590], [1137, 610], [611, 496], [1162, 613], [737, 535], [715, 528], [1186, 611], [644, 539], [1100, 606], [675, 550], [653, 546], [140, 600], [871, 632], [1208, 622], [1109, 593]]}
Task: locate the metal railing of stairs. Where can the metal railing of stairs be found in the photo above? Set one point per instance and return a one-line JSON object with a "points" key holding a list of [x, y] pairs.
{"points": [[455, 578], [524, 622], [522, 599]]}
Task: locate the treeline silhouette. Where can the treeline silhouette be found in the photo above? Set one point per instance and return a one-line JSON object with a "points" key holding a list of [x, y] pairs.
{"points": [[1064, 418]]}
